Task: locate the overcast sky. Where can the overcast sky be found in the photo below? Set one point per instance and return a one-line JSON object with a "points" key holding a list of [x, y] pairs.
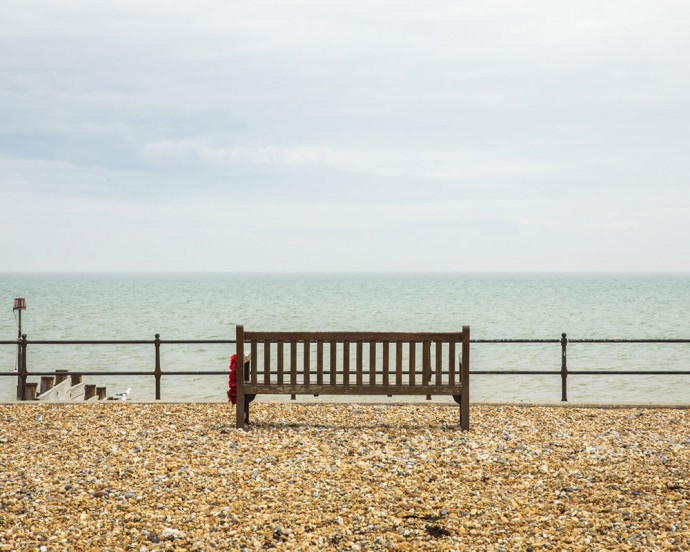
{"points": [[344, 136]]}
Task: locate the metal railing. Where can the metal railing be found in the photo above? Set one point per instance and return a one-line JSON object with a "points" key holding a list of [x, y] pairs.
{"points": [[564, 372], [22, 373]]}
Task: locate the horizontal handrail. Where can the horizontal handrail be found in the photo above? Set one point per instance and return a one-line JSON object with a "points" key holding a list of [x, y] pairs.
{"points": [[232, 341], [643, 340], [22, 372], [378, 373], [118, 341]]}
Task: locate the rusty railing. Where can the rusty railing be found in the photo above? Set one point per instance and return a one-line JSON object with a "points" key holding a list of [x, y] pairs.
{"points": [[22, 373]]}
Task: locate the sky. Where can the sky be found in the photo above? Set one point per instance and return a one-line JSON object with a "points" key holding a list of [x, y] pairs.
{"points": [[284, 136]]}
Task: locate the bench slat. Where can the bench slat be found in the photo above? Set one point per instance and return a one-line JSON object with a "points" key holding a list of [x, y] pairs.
{"points": [[386, 361], [307, 365], [352, 337], [426, 362], [301, 389], [293, 362], [346, 364], [319, 362], [281, 363], [413, 355], [451, 363], [333, 361], [372, 363], [254, 362]]}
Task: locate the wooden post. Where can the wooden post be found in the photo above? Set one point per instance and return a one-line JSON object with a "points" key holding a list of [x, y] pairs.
{"points": [[76, 379], [157, 369], [30, 391], [465, 380], [239, 358], [47, 383], [61, 375], [101, 393], [564, 368], [89, 391]]}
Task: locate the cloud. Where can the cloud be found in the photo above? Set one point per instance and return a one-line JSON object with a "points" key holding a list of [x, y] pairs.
{"points": [[393, 129], [187, 151]]}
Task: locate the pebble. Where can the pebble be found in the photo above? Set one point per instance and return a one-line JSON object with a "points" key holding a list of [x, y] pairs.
{"points": [[343, 477], [171, 534]]}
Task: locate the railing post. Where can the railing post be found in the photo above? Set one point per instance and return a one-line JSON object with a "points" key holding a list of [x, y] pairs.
{"points": [[21, 368], [564, 368], [157, 370]]}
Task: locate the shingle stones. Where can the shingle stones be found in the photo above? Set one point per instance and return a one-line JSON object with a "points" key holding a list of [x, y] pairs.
{"points": [[371, 477]]}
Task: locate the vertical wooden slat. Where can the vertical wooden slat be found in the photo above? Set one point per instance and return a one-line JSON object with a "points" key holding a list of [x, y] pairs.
{"points": [[267, 362], [281, 363], [30, 391], [319, 363], [412, 359], [239, 407], [306, 371], [358, 361], [372, 363], [47, 383], [451, 363], [254, 361], [439, 363], [89, 391], [293, 363], [346, 363], [386, 361], [398, 362], [333, 359], [426, 362]]}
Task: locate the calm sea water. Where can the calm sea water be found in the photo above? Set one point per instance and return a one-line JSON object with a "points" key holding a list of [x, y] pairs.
{"points": [[207, 306]]}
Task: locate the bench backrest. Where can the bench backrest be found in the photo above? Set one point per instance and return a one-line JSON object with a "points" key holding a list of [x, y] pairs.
{"points": [[355, 362]]}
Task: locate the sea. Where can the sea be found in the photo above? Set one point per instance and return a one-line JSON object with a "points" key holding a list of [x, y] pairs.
{"points": [[198, 306]]}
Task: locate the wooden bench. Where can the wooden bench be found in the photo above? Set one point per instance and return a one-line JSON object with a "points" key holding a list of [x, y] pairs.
{"points": [[353, 363]]}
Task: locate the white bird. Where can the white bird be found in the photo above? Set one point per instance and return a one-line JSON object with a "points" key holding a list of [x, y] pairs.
{"points": [[122, 396]]}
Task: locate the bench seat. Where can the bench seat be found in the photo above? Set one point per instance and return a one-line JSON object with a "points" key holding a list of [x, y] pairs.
{"points": [[353, 363]]}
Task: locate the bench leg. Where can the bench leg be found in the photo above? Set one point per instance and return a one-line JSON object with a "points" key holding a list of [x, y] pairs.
{"points": [[247, 399], [458, 399], [464, 412], [240, 410]]}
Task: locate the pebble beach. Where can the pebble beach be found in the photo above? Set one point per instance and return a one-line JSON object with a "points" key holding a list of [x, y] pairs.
{"points": [[127, 476]]}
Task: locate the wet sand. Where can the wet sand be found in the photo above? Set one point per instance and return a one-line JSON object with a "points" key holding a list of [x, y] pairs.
{"points": [[124, 476]]}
